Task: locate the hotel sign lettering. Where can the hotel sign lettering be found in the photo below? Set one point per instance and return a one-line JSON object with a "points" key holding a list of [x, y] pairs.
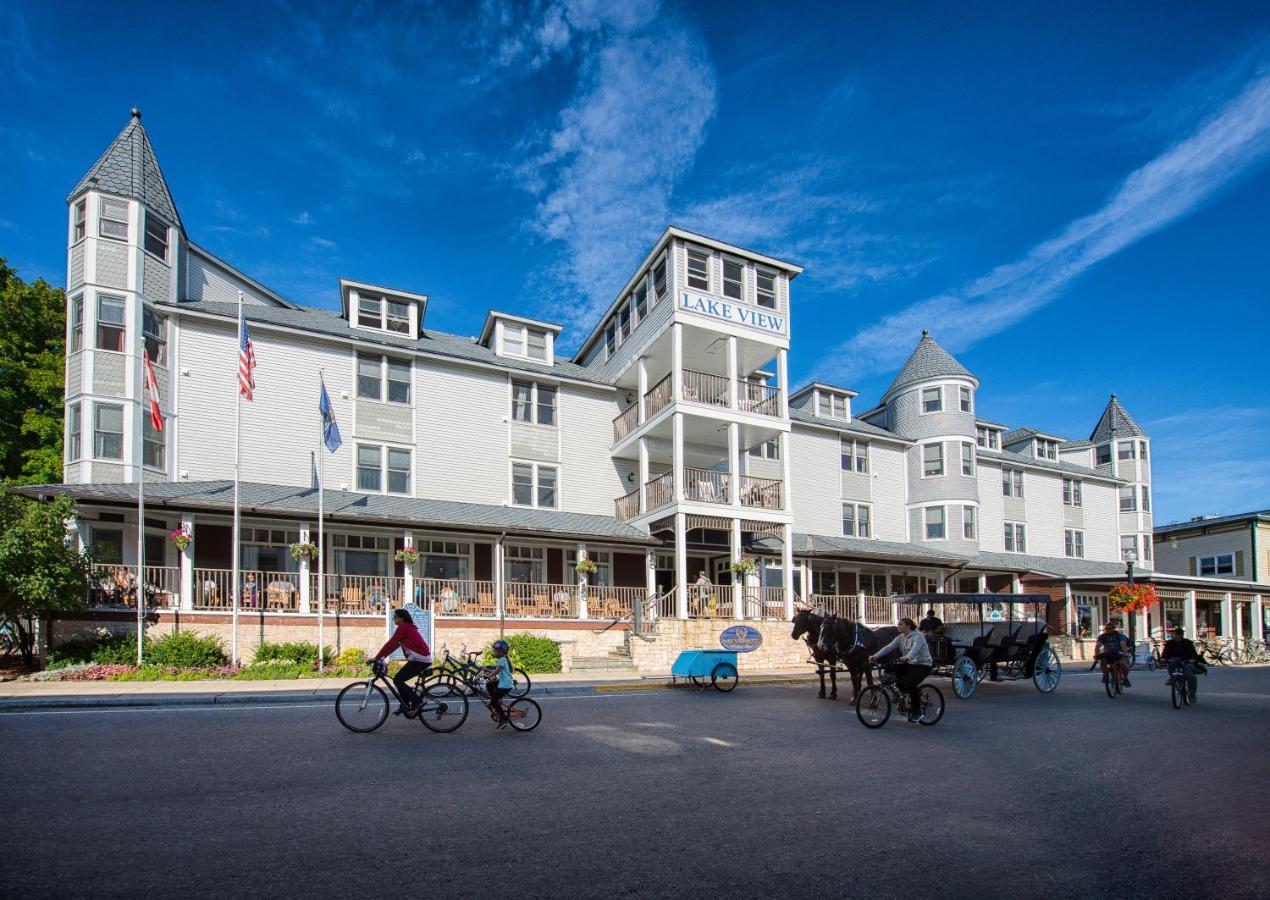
{"points": [[729, 311]]}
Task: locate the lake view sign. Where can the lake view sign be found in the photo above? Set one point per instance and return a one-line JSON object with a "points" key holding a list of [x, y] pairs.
{"points": [[738, 313]]}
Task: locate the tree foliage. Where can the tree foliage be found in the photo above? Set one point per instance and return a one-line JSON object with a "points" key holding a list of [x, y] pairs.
{"points": [[39, 569], [32, 378]]}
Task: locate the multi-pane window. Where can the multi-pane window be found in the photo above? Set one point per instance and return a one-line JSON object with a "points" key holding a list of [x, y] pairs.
{"points": [[1074, 543], [397, 316], [1146, 547], [934, 519], [873, 585], [154, 331], [765, 288], [107, 545], [74, 432], [77, 324], [766, 450], [113, 219], [659, 279], [547, 487], [369, 311], [369, 472], [1128, 546], [1142, 451], [384, 314], [1146, 498], [399, 467], [108, 432], [963, 394], [522, 401], [639, 299], [523, 484], [1127, 449], [1128, 498], [610, 339], [1073, 490], [932, 460], [832, 406], [1046, 449], [156, 236], [1015, 538], [969, 521], [525, 565], [1012, 482], [533, 403], [987, 438], [698, 269], [733, 279], [80, 227], [1103, 455], [932, 399], [534, 485], [856, 520], [398, 381], [624, 322], [152, 444], [848, 519], [967, 458], [855, 455], [111, 331], [370, 383], [1222, 564]]}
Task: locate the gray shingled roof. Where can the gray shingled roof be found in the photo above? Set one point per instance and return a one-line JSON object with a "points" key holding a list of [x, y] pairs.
{"points": [[346, 506], [1075, 445], [855, 426], [861, 548], [129, 168], [1115, 422], [1019, 459], [1047, 565], [1023, 434], [330, 322], [1261, 515], [929, 360]]}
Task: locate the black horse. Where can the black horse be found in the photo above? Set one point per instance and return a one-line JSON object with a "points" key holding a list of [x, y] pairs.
{"points": [[835, 641]]}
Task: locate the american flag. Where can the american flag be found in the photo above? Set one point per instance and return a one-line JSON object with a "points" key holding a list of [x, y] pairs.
{"points": [[152, 388], [246, 363]]}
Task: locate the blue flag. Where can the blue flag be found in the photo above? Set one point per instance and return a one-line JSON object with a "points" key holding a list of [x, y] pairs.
{"points": [[330, 431]]}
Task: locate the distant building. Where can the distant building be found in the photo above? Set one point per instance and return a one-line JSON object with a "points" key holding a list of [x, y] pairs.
{"points": [[1233, 547]]}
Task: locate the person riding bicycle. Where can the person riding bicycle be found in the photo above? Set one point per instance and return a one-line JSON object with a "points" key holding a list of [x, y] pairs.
{"points": [[1180, 655], [418, 660], [1112, 649], [501, 684], [912, 667]]}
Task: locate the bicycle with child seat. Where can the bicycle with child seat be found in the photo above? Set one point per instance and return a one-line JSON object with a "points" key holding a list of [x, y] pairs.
{"points": [[873, 708], [467, 675], [363, 706]]}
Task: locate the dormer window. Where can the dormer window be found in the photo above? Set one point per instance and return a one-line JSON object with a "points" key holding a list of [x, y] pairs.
{"points": [[1046, 449], [525, 342], [383, 314], [832, 406], [987, 438]]}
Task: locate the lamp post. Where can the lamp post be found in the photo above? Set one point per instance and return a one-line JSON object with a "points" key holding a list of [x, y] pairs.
{"points": [[1130, 557]]}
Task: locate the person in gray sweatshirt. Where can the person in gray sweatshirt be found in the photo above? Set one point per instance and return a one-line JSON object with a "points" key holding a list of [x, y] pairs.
{"points": [[913, 665]]}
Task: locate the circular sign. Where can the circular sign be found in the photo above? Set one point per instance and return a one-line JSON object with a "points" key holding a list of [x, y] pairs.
{"points": [[741, 638]]}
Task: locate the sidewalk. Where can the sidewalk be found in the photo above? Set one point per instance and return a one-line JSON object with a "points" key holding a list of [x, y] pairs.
{"points": [[30, 695]]}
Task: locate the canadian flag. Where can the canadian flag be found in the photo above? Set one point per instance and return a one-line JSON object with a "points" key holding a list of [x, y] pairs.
{"points": [[152, 388]]}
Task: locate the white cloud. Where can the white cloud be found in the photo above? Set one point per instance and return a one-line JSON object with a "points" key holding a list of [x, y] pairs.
{"points": [[1210, 461], [1172, 185], [303, 218]]}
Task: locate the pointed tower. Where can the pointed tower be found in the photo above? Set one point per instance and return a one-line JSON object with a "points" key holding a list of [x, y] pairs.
{"points": [[125, 240], [932, 401], [1123, 449]]}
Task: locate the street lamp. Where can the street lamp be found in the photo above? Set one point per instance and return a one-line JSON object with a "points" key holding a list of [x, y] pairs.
{"points": [[1130, 557]]}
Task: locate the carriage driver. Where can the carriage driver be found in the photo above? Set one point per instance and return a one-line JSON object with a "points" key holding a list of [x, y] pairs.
{"points": [[913, 665]]}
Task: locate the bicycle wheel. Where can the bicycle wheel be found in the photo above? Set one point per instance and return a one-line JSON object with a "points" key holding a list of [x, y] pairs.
{"points": [[724, 677], [1109, 682], [1178, 694], [444, 712], [520, 683], [362, 706], [932, 709], [873, 707], [1190, 696], [524, 714]]}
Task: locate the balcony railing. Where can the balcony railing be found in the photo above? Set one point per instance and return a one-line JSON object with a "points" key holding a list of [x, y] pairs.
{"points": [[458, 598], [759, 398], [261, 590], [761, 493], [626, 507], [626, 422], [706, 485], [660, 491], [764, 602], [702, 387], [604, 602], [658, 397], [527, 600], [116, 586], [360, 594]]}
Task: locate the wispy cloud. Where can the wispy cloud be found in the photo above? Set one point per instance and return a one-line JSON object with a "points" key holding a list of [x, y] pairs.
{"points": [[1177, 182], [301, 218], [1210, 461]]}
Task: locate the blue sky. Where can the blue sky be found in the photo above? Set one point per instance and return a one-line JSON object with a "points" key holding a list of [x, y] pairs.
{"points": [[1073, 200]]}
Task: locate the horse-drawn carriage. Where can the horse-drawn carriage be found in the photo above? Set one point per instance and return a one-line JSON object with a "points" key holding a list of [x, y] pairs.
{"points": [[1001, 637]]}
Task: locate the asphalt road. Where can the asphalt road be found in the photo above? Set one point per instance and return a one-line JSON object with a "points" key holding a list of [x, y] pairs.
{"points": [[766, 791]]}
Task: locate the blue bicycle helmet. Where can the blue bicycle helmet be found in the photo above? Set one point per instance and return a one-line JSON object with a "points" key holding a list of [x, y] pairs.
{"points": [[502, 645]]}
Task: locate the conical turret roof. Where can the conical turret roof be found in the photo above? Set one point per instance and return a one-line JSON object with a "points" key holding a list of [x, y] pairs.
{"points": [[129, 168], [1115, 423], [929, 360]]}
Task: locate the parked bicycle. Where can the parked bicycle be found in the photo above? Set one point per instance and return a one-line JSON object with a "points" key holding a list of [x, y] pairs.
{"points": [[363, 706], [468, 676], [873, 708]]}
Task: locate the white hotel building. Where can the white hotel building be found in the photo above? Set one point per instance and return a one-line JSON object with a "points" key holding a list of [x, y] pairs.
{"points": [[672, 443]]}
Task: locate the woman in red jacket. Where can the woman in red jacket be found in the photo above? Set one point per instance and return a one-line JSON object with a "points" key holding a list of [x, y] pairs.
{"points": [[418, 659]]}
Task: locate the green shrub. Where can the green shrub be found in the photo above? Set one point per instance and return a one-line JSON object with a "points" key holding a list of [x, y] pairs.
{"points": [[530, 652], [275, 669], [184, 650], [351, 656], [289, 652], [103, 648]]}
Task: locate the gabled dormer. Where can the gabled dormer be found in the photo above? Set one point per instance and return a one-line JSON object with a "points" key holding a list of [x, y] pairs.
{"points": [[1034, 443], [828, 401], [988, 434], [520, 338], [369, 307]]}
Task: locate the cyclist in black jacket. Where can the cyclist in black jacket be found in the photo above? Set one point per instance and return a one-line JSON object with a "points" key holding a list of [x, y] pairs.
{"points": [[1180, 655]]}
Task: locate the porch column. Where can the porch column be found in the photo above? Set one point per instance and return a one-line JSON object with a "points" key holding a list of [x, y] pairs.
{"points": [[306, 589], [642, 388], [734, 464], [1228, 616], [787, 567], [643, 474], [786, 500], [498, 578], [1069, 608], [681, 566], [860, 610], [582, 614], [1188, 614], [408, 578], [650, 572], [983, 582], [676, 362], [186, 558], [1256, 611], [734, 551], [677, 463], [1015, 587], [733, 393], [782, 375]]}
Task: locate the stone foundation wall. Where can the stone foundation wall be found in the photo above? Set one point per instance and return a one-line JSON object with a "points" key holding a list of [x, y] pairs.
{"points": [[778, 650]]}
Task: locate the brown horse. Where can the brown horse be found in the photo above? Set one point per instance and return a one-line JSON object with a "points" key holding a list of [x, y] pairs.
{"points": [[837, 641]]}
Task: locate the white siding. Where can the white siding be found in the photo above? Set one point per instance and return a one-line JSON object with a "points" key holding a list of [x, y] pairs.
{"points": [[887, 464], [462, 433], [589, 479], [1043, 507], [204, 280], [991, 508], [1102, 534], [813, 456]]}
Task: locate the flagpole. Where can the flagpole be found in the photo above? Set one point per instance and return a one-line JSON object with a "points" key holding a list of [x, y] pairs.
{"points": [[238, 414], [321, 582], [141, 504]]}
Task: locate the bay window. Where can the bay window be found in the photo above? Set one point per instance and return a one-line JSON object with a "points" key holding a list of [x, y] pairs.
{"points": [[81, 221], [77, 324], [969, 520], [111, 328], [932, 460], [152, 444], [934, 520], [108, 431], [154, 332], [74, 432], [113, 219]]}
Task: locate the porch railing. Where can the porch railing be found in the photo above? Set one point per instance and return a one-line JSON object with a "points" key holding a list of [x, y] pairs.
{"points": [[261, 590], [627, 506], [761, 493], [658, 397], [115, 586], [360, 594], [604, 602], [845, 605], [625, 422], [458, 598], [702, 387], [878, 611], [660, 490], [706, 485], [759, 398], [524, 600], [713, 602]]}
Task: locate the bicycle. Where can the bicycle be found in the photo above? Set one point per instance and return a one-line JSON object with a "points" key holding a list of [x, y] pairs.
{"points": [[1180, 689], [523, 714], [1113, 680], [469, 677], [873, 707], [363, 706]]}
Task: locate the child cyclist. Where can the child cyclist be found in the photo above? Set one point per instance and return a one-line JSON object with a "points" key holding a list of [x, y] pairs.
{"points": [[500, 682], [418, 659]]}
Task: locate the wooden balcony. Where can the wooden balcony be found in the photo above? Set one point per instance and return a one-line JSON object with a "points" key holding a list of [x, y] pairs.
{"points": [[626, 422], [660, 491], [761, 493], [658, 397], [706, 486], [759, 398], [702, 387], [626, 507]]}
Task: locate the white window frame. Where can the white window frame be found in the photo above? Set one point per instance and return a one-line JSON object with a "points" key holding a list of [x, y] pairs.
{"points": [[1132, 540], [694, 254], [1144, 498], [1214, 563], [1146, 547], [853, 455], [967, 459], [121, 327], [1074, 543], [1126, 450], [1012, 483], [74, 431], [861, 519], [383, 470], [154, 444], [926, 523], [534, 406], [1132, 498], [1098, 458], [922, 401], [1046, 449], [969, 523], [105, 216], [659, 294], [965, 399], [98, 433], [1073, 492], [943, 468], [382, 317], [159, 337], [165, 242], [1143, 453], [535, 483], [384, 364], [760, 295], [739, 281], [76, 316], [1015, 537], [79, 221]]}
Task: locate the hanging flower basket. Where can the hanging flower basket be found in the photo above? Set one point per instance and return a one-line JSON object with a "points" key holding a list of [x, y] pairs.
{"points": [[586, 567], [407, 555], [302, 550], [744, 567], [181, 538], [1132, 599]]}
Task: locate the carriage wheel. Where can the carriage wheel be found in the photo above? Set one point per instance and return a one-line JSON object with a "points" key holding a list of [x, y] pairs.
{"points": [[724, 677], [965, 678], [873, 707], [932, 708], [1047, 671]]}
